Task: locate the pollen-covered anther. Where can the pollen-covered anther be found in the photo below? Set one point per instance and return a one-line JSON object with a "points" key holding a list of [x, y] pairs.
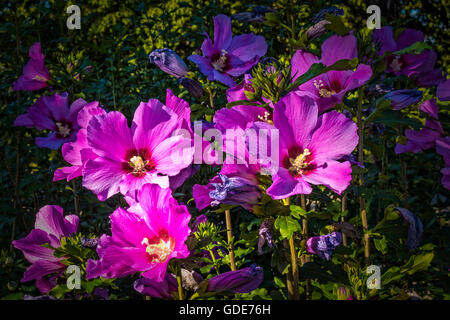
{"points": [[138, 164], [159, 251], [62, 129], [323, 92], [221, 62], [265, 118], [300, 163]]}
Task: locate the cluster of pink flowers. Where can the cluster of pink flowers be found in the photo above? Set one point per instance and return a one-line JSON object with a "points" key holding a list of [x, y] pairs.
{"points": [[149, 160]]}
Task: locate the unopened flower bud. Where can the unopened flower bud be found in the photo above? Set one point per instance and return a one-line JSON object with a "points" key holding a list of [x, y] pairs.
{"points": [[194, 88], [169, 62]]}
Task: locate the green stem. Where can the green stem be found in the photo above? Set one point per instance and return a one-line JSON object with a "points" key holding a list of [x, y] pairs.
{"points": [[230, 239], [179, 282], [75, 198], [343, 208], [294, 294], [362, 202]]}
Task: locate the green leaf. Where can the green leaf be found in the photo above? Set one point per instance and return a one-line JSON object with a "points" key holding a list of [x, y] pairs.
{"points": [[415, 48], [240, 103], [381, 244], [297, 211], [287, 226]]}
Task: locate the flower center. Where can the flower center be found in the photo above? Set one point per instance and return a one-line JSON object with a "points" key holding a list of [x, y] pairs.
{"points": [[323, 92], [396, 64], [221, 62], [265, 118], [159, 252], [300, 163], [138, 164], [62, 129]]}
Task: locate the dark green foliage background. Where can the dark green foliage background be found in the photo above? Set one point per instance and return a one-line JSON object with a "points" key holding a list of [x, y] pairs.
{"points": [[115, 39]]}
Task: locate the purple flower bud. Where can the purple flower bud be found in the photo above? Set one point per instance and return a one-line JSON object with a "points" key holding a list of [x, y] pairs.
{"points": [[89, 243], [152, 288], [330, 10], [324, 245], [194, 88], [239, 281], [317, 30], [200, 219], [403, 98], [234, 190], [169, 62], [257, 14], [415, 227], [265, 235], [88, 69]]}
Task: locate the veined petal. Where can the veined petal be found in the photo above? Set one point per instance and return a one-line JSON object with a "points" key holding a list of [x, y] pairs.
{"points": [[334, 138], [284, 185], [109, 136], [296, 117], [334, 175], [336, 48], [222, 32]]}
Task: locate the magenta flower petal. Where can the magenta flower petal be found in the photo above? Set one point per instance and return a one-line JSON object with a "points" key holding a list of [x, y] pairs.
{"points": [[430, 108], [385, 36], [155, 289], [32, 248], [408, 37], [299, 116], [361, 75], [109, 135], [41, 268], [336, 130], [443, 90], [180, 107], [443, 148], [248, 46], [301, 61], [336, 48], [51, 220], [35, 74], [103, 177], [90, 110], [221, 77], [202, 63], [222, 32], [284, 185], [241, 117], [23, 120], [201, 196], [334, 175], [173, 154]]}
